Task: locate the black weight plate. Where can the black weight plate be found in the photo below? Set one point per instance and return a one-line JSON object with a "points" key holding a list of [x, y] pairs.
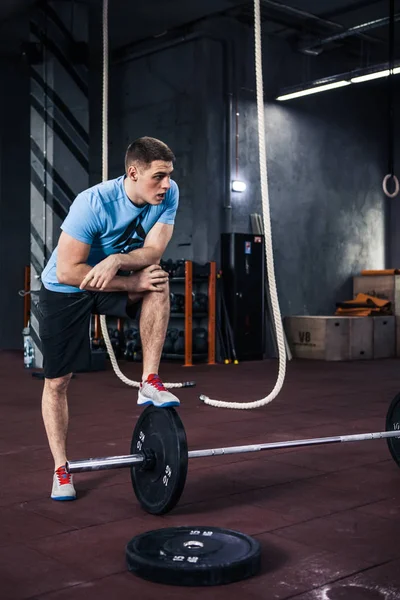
{"points": [[393, 423], [194, 556], [158, 484]]}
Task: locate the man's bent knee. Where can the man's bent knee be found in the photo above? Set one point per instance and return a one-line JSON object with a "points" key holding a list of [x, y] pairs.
{"points": [[162, 296], [58, 384], [164, 290]]}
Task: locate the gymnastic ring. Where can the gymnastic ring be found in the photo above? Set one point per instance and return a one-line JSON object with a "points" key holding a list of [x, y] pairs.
{"points": [[396, 186]]}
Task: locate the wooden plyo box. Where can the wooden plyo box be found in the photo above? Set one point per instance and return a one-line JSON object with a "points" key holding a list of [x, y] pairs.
{"points": [[397, 336], [384, 340], [330, 338]]}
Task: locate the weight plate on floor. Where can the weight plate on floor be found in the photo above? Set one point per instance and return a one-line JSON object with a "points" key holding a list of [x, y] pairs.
{"points": [[159, 482], [393, 423], [194, 556]]}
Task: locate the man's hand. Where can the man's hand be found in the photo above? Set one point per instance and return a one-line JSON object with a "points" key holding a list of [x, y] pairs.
{"points": [[102, 274], [150, 279]]}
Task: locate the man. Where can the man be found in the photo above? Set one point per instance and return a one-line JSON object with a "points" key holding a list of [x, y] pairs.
{"points": [[107, 262]]}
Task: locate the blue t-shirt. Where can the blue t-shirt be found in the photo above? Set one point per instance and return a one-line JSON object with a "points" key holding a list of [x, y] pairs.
{"points": [[104, 217]]}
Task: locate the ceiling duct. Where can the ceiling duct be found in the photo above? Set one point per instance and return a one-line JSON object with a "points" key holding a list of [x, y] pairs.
{"points": [[313, 44], [316, 46]]}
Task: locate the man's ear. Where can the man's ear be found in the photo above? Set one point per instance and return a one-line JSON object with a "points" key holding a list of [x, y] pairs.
{"points": [[132, 172]]}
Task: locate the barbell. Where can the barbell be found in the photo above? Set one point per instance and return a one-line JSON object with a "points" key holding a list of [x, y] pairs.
{"points": [[159, 454]]}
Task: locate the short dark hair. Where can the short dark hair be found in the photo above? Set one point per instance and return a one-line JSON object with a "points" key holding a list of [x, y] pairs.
{"points": [[146, 149]]}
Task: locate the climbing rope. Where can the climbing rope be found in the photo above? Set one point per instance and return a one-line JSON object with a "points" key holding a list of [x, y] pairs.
{"points": [[267, 232], [103, 322]]}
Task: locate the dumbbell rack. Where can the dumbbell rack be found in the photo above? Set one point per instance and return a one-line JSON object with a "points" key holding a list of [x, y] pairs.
{"points": [[188, 316]]}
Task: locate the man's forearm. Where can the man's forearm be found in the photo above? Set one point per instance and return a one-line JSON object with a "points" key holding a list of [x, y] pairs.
{"points": [[139, 259], [76, 275]]}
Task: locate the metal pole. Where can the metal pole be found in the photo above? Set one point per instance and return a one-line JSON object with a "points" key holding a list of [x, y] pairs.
{"points": [[108, 462], [352, 31], [131, 460], [291, 444]]}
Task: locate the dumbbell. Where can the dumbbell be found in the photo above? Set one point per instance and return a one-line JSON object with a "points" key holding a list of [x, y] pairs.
{"points": [[179, 270], [170, 339], [128, 352], [200, 302], [129, 333], [168, 266], [200, 340], [180, 343], [201, 270], [177, 302], [117, 341], [95, 343], [133, 343]]}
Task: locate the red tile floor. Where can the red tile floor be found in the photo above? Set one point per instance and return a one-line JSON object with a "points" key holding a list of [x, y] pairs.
{"points": [[327, 516]]}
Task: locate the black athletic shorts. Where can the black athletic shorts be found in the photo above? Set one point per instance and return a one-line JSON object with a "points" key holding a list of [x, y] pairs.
{"points": [[64, 320]]}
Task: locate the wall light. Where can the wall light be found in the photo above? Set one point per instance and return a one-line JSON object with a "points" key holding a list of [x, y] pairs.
{"points": [[238, 186]]}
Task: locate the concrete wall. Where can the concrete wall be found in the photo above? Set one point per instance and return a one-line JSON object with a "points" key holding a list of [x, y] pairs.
{"points": [[14, 198], [325, 164], [59, 132], [393, 204], [327, 156], [173, 104]]}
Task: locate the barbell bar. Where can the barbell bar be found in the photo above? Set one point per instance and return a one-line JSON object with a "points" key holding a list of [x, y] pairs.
{"points": [[107, 462], [158, 461], [133, 460]]}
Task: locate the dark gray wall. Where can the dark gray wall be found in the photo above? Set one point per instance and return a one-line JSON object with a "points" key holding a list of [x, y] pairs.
{"points": [[172, 103], [95, 78], [14, 198], [327, 156], [394, 204], [325, 163]]}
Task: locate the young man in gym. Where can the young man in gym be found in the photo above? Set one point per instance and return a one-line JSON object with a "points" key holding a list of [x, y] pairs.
{"points": [[107, 262]]}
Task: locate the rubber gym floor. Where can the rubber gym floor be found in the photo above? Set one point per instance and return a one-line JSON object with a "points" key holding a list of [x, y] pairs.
{"points": [[327, 516]]}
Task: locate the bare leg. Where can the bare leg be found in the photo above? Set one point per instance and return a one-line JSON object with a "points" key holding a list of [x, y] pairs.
{"points": [[154, 319], [55, 416]]}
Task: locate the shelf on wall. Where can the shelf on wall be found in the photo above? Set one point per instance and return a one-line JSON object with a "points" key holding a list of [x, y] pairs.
{"points": [[194, 316], [183, 279], [171, 356]]}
